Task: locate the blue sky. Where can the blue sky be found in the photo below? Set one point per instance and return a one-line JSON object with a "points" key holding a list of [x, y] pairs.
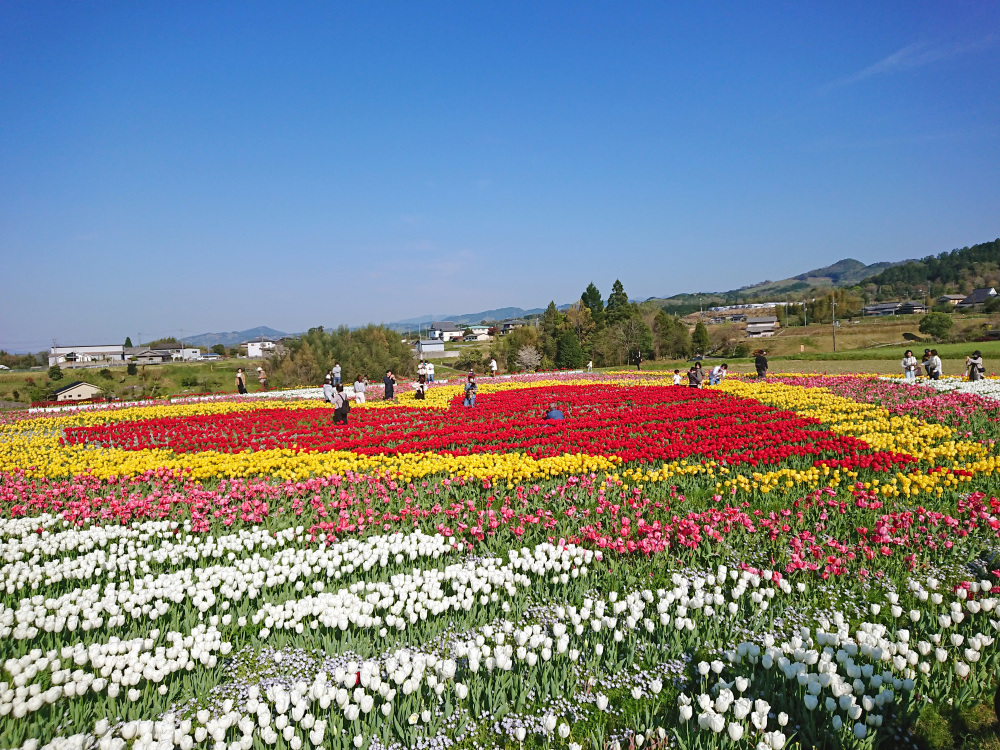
{"points": [[218, 166]]}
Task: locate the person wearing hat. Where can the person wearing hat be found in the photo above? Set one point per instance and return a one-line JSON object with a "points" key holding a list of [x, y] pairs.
{"points": [[974, 364], [262, 378]]}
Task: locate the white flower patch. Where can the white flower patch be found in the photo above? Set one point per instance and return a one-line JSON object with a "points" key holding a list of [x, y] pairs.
{"points": [[987, 387]]}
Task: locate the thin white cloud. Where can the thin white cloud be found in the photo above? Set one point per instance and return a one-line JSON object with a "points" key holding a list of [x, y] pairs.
{"points": [[913, 56]]}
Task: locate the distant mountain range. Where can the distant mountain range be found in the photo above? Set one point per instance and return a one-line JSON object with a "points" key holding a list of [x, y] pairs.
{"points": [[845, 272], [501, 313], [232, 338]]}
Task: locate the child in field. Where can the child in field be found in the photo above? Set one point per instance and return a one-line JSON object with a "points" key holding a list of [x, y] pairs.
{"points": [[677, 377]]}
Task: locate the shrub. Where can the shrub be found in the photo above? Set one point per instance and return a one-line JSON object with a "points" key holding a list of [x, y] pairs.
{"points": [[105, 373], [936, 325], [189, 381], [132, 369], [55, 372]]}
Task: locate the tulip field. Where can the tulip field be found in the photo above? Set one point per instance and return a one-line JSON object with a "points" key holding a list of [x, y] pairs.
{"points": [[806, 561]]}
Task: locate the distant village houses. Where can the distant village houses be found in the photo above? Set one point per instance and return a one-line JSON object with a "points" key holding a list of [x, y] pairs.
{"points": [[116, 354], [81, 355], [978, 297], [882, 309]]}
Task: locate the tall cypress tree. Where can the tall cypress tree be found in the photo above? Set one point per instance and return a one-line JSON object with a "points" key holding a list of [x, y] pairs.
{"points": [[618, 308], [591, 299]]}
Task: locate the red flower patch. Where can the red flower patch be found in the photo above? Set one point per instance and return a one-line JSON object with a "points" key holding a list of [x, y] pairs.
{"points": [[639, 424]]}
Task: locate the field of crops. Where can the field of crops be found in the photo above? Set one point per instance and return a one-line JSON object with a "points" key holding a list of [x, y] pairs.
{"points": [[806, 561]]}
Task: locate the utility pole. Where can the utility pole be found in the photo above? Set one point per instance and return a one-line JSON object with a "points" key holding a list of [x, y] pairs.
{"points": [[834, 306]]}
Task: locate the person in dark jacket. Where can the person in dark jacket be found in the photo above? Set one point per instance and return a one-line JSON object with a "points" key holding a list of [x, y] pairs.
{"points": [[760, 362], [340, 406], [554, 412], [470, 391], [696, 375], [390, 386]]}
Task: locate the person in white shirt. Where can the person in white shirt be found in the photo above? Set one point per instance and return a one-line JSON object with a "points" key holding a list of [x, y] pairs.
{"points": [[493, 367], [718, 373], [590, 366], [360, 386], [909, 365], [422, 368], [429, 368], [677, 377], [336, 374], [935, 365]]}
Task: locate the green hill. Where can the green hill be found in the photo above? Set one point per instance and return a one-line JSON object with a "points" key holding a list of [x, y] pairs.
{"points": [[846, 272]]}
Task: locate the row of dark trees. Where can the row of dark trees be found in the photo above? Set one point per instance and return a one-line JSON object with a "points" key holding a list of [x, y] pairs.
{"points": [[608, 332], [368, 351]]}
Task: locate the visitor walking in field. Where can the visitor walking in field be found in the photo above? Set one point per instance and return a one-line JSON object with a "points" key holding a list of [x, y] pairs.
{"points": [[430, 372], [336, 373], [360, 386], [590, 366], [493, 367], [909, 365], [241, 381], [974, 366], [389, 394], [760, 363], [262, 378], [328, 390], [341, 406], [677, 377], [638, 359], [470, 391]]}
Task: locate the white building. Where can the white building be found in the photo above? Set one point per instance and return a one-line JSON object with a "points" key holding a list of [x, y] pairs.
{"points": [[77, 391], [260, 348], [762, 327], [78, 355], [430, 348], [445, 330], [185, 354]]}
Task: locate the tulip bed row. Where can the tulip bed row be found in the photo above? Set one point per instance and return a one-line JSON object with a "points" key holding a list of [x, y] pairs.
{"points": [[807, 562]]}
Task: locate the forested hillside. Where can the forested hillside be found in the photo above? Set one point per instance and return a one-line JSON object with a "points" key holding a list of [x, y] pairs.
{"points": [[959, 271]]}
